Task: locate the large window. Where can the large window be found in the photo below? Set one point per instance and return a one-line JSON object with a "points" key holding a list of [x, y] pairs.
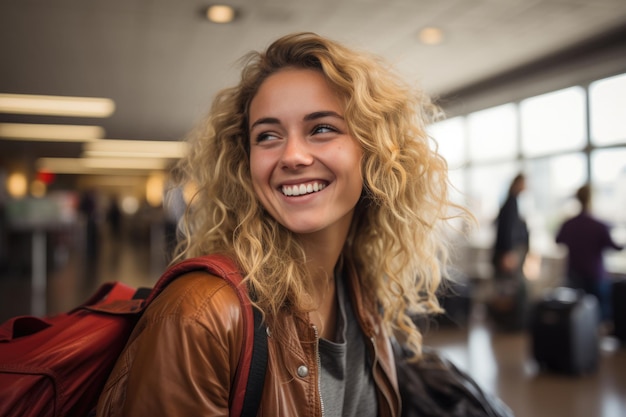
{"points": [[551, 185], [488, 188], [553, 122], [608, 178], [492, 134], [607, 100], [450, 137], [547, 138]]}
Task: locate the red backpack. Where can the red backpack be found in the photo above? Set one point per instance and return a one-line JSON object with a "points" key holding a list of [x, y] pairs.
{"points": [[57, 366]]}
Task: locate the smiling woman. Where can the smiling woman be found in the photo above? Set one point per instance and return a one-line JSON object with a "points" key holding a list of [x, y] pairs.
{"points": [[316, 176]]}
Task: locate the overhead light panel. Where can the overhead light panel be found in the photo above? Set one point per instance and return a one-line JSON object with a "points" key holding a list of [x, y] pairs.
{"points": [[100, 165], [124, 163], [56, 105], [50, 132], [117, 148], [220, 13]]}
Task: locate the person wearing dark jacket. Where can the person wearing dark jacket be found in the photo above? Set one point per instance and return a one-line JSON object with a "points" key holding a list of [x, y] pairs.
{"points": [[511, 243], [509, 253]]}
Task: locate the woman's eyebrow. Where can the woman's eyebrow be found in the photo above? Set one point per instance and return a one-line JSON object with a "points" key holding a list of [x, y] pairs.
{"points": [[321, 114], [265, 120], [308, 117]]}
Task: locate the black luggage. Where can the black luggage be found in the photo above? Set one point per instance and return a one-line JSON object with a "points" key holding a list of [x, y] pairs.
{"points": [[508, 306], [564, 331], [456, 299], [618, 307]]}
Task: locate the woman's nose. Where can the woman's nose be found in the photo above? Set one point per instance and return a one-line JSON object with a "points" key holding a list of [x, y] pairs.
{"points": [[296, 152]]}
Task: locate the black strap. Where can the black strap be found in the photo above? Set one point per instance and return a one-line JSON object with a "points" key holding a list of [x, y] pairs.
{"points": [[142, 293], [258, 366]]}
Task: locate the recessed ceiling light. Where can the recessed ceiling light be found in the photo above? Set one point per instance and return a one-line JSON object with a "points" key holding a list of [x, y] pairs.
{"points": [[17, 185], [430, 36], [220, 13], [56, 105]]}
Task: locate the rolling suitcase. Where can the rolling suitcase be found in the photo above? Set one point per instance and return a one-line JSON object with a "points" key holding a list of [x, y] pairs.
{"points": [[564, 331], [618, 308]]}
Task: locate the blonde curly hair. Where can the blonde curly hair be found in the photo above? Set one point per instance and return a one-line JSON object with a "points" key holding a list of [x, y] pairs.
{"points": [[395, 240]]}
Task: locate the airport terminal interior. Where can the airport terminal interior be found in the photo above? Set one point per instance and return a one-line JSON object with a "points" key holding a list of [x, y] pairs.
{"points": [[93, 203]]}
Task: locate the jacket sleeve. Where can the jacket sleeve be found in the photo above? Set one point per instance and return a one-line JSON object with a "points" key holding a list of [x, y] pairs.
{"points": [[182, 357]]}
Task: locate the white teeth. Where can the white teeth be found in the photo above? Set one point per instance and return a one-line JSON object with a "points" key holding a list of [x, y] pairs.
{"points": [[302, 189]]}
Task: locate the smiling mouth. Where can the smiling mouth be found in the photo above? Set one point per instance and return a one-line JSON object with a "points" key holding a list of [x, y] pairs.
{"points": [[302, 189]]}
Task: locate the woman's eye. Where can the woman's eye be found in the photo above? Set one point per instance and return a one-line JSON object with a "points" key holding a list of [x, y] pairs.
{"points": [[324, 129], [262, 137]]}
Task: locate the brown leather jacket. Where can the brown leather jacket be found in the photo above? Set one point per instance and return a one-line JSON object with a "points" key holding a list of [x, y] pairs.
{"points": [[182, 356]]}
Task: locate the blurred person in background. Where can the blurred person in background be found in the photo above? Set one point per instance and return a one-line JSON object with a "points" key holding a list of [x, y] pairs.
{"points": [[586, 238], [88, 208], [508, 306], [4, 241], [114, 217]]}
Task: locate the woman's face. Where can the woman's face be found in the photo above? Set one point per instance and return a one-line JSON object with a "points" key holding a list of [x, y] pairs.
{"points": [[305, 166]]}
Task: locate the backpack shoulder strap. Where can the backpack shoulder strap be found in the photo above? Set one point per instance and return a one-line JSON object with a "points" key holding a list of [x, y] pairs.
{"points": [[219, 265], [250, 375], [258, 367]]}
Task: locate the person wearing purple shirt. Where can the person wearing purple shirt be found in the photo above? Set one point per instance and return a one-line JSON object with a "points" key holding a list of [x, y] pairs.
{"points": [[586, 238]]}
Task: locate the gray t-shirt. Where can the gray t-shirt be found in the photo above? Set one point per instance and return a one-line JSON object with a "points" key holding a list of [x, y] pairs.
{"points": [[347, 385]]}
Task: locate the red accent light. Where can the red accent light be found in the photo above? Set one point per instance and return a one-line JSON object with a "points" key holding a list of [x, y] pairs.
{"points": [[45, 177]]}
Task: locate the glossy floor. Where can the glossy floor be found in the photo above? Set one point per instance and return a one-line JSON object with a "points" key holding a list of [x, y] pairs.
{"points": [[500, 362]]}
